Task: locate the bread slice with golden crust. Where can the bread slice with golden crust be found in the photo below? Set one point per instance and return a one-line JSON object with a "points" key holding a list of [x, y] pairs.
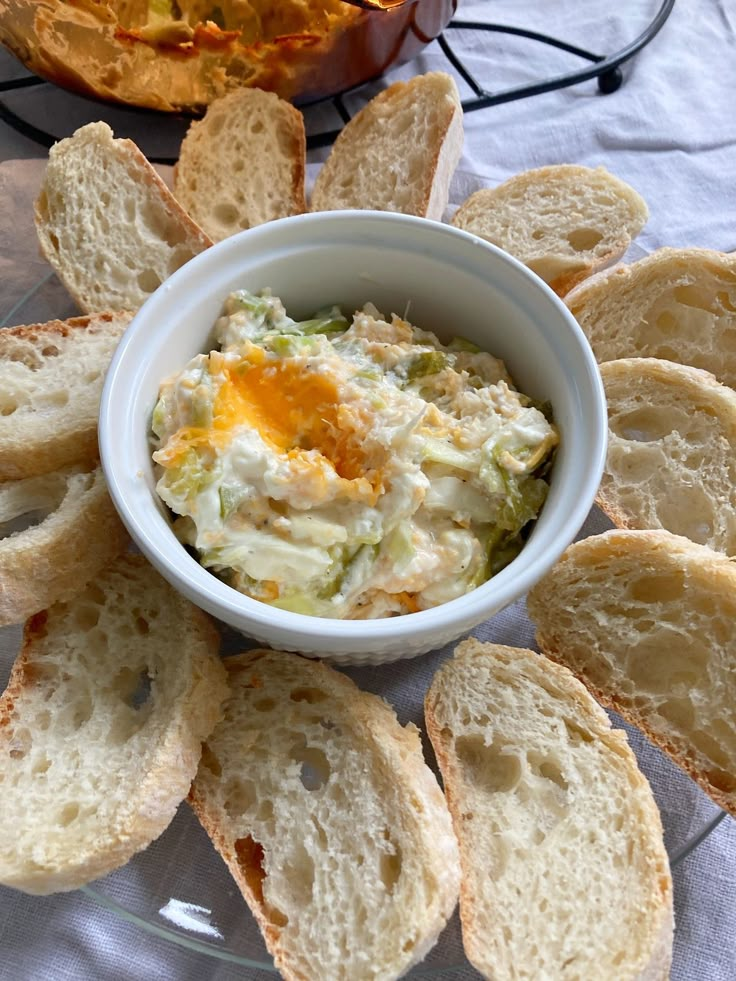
{"points": [[51, 378], [554, 818], [646, 620], [328, 818], [398, 153], [564, 221], [108, 224], [671, 459], [76, 534], [243, 164], [101, 727], [675, 304]]}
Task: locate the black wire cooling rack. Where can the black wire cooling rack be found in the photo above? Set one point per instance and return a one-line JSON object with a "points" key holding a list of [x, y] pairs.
{"points": [[606, 68]]}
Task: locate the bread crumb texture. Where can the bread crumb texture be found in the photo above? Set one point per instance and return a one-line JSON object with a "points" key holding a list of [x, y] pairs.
{"points": [[243, 164], [645, 619], [675, 304], [51, 378], [108, 224], [554, 819], [101, 727], [333, 826], [671, 460], [398, 153], [564, 222], [43, 520]]}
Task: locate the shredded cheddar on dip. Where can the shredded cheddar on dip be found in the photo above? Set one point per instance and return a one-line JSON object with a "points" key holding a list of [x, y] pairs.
{"points": [[343, 469]]}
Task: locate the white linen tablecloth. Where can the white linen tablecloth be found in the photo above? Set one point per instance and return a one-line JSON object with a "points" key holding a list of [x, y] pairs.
{"points": [[670, 131]]}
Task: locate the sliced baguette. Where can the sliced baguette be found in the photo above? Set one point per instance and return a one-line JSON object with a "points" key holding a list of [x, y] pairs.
{"points": [[398, 153], [671, 459], [51, 379], [646, 620], [93, 766], [243, 164], [108, 224], [78, 534], [675, 304], [554, 819], [332, 825], [565, 222]]}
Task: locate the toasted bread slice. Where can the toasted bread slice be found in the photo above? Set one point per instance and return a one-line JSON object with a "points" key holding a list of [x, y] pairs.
{"points": [[671, 459], [93, 764], [675, 304], [51, 378], [243, 164], [646, 620], [332, 825], [79, 533], [565, 222], [398, 153], [108, 224], [554, 818]]}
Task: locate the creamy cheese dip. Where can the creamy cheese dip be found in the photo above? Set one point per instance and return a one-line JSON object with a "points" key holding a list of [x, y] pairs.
{"points": [[344, 469]]}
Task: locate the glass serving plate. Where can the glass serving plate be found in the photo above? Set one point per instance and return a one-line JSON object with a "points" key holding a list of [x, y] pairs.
{"points": [[180, 890]]}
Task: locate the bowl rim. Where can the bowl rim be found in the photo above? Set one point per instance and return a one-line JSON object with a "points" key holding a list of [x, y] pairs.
{"points": [[210, 593]]}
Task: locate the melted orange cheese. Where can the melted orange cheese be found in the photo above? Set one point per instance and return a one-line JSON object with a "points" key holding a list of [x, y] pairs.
{"points": [[280, 399], [292, 408], [295, 410]]}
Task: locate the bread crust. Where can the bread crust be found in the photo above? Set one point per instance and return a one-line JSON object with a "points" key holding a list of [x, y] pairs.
{"points": [[395, 753], [51, 561], [649, 554], [151, 795], [503, 663], [56, 371], [444, 163]]}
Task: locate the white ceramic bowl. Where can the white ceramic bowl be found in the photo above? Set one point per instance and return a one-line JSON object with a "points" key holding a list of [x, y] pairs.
{"points": [[451, 283]]}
